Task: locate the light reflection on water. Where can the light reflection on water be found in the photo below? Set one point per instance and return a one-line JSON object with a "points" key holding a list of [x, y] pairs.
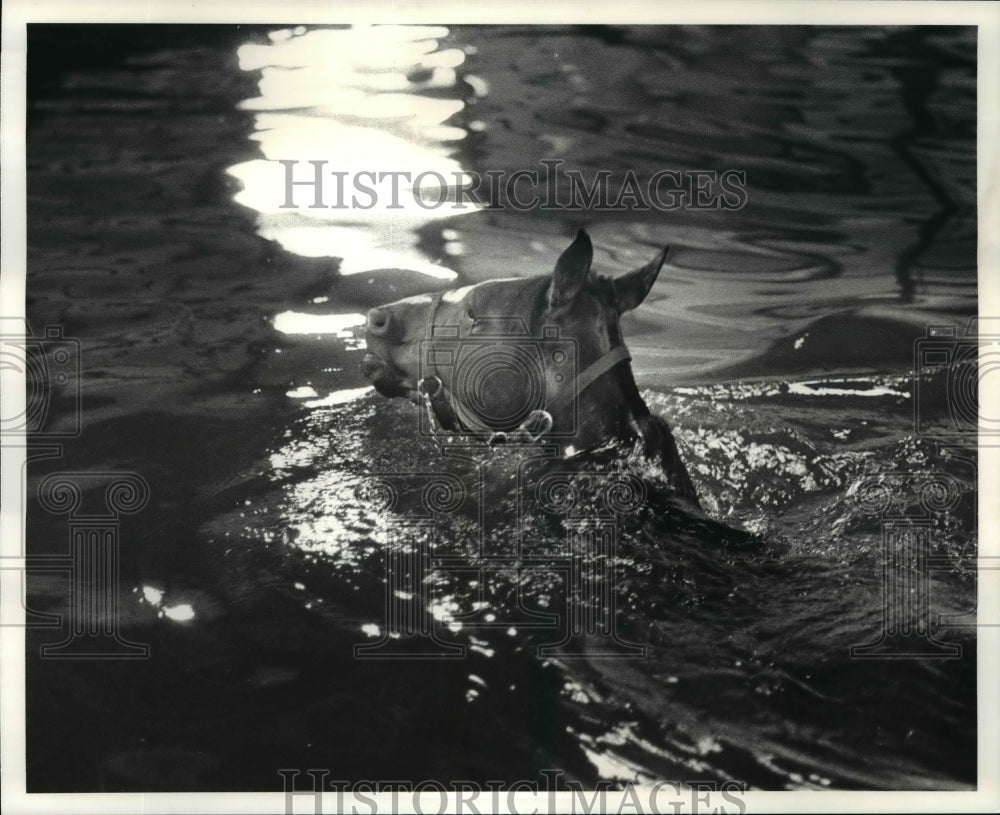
{"points": [[840, 217], [178, 612], [365, 98], [823, 236], [339, 325]]}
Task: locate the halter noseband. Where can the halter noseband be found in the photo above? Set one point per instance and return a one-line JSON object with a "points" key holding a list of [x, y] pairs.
{"points": [[449, 414]]}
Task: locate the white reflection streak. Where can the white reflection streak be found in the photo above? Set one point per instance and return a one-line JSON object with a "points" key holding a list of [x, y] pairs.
{"points": [[353, 98], [824, 389], [180, 613], [295, 322], [340, 397]]}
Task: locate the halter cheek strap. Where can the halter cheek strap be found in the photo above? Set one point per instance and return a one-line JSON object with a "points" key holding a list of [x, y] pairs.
{"points": [[450, 414], [587, 377], [431, 388]]}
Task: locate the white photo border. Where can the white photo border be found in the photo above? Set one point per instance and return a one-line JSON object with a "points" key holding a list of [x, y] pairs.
{"points": [[18, 13]]}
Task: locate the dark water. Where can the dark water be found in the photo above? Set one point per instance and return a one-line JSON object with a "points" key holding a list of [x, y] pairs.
{"points": [[220, 358]]}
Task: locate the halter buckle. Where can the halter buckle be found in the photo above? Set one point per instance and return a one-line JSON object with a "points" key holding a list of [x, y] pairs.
{"points": [[536, 415], [423, 388]]}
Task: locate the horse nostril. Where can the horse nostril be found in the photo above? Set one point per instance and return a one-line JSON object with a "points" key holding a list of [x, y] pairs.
{"points": [[378, 321]]}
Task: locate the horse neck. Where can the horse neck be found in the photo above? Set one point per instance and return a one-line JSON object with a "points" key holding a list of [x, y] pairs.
{"points": [[610, 410]]}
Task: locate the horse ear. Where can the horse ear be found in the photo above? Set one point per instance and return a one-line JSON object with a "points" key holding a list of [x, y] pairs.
{"points": [[632, 288], [571, 270]]}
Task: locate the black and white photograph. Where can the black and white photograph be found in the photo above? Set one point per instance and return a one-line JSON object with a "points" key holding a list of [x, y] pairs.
{"points": [[430, 409]]}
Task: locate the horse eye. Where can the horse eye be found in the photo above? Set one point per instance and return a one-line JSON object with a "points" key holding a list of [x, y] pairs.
{"points": [[470, 313]]}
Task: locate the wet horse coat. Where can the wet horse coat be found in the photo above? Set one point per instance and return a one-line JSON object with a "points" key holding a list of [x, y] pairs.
{"points": [[542, 357]]}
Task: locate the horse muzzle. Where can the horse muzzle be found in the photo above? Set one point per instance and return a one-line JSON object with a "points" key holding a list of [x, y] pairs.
{"points": [[387, 379]]}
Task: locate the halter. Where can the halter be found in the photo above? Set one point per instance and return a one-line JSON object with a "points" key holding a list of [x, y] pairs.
{"points": [[448, 413]]}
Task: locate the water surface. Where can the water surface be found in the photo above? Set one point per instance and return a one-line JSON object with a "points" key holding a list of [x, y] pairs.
{"points": [[221, 348]]}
